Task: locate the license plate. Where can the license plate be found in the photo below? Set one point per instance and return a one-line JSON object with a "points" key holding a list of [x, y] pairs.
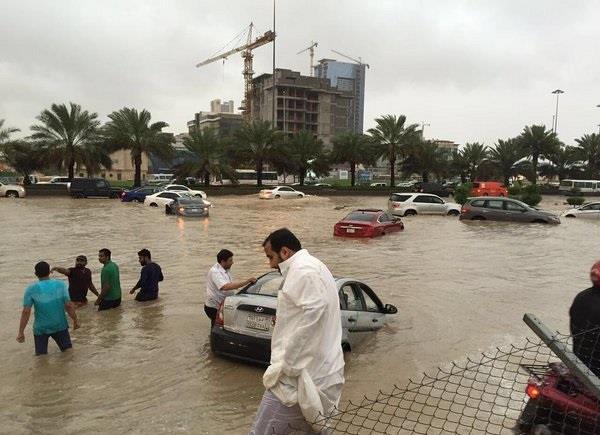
{"points": [[258, 322], [193, 209], [349, 230]]}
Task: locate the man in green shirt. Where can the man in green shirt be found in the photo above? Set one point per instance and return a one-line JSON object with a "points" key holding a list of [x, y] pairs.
{"points": [[110, 293]]}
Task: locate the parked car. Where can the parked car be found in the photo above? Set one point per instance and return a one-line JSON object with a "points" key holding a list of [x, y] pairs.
{"points": [[188, 206], [182, 188], [139, 194], [378, 184], [280, 192], [590, 210], [433, 188], [409, 183], [56, 180], [12, 190], [96, 187], [488, 188], [322, 185], [245, 321], [407, 204], [164, 197], [367, 223], [504, 209]]}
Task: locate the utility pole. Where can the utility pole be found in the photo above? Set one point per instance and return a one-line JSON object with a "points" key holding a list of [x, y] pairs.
{"points": [[557, 92], [423, 125]]}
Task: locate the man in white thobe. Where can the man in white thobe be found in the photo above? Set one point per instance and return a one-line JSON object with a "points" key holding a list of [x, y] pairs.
{"points": [[305, 379]]}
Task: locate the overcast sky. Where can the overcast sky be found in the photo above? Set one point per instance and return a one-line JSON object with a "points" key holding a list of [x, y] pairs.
{"points": [[474, 70]]}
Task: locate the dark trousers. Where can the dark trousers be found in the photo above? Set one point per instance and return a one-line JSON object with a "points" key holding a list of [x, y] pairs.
{"points": [[212, 315], [108, 304], [62, 339], [141, 297]]}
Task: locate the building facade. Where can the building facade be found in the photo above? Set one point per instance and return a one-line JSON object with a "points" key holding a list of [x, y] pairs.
{"points": [[216, 106], [221, 117], [123, 168], [348, 78], [302, 103]]}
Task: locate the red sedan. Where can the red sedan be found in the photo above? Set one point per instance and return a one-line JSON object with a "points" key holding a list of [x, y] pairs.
{"points": [[367, 223]]}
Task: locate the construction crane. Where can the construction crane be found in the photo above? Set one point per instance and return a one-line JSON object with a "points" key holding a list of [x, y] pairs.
{"points": [[359, 61], [247, 55], [311, 51]]}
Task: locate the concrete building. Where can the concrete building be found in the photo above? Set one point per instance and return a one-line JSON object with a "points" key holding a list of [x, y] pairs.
{"points": [[225, 123], [123, 167], [349, 78], [225, 107], [447, 146], [303, 103]]}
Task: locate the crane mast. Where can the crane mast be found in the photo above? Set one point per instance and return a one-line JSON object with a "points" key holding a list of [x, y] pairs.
{"points": [[311, 51], [247, 55]]}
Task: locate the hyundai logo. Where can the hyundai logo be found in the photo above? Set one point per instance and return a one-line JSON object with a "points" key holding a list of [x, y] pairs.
{"points": [[259, 309]]}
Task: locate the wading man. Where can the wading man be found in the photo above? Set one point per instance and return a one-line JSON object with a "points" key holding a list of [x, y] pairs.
{"points": [[80, 280], [50, 300], [305, 379], [110, 283], [219, 283], [150, 276]]}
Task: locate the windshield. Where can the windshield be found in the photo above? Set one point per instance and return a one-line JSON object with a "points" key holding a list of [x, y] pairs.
{"points": [[267, 285], [360, 216]]}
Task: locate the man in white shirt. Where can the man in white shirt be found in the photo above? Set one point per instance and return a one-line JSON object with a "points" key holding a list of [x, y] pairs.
{"points": [[219, 284], [305, 379]]}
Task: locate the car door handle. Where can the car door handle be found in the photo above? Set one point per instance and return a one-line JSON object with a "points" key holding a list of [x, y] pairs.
{"points": [[375, 320], [351, 319]]}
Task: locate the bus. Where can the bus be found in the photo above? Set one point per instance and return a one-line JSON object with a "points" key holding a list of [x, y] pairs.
{"points": [[248, 176], [585, 186]]}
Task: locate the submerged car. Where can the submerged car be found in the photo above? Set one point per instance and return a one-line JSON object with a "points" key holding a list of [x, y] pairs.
{"points": [[367, 223], [590, 210], [188, 206], [504, 209], [245, 321], [139, 194], [12, 190], [408, 204], [182, 188], [277, 192], [163, 198]]}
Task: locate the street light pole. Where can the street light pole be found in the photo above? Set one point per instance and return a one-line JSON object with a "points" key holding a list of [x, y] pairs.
{"points": [[557, 92], [598, 105], [423, 125]]}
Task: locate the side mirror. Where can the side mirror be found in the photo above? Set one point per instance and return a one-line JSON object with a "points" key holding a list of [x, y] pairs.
{"points": [[390, 309]]}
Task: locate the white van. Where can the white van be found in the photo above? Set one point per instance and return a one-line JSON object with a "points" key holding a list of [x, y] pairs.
{"points": [[160, 178]]}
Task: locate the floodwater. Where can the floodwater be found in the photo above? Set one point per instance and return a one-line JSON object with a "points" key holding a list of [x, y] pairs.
{"points": [[460, 288]]}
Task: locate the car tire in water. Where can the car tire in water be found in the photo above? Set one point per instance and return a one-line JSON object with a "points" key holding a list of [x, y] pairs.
{"points": [[277, 196], [539, 221], [453, 213], [153, 205], [570, 216], [12, 194], [300, 196], [135, 200], [410, 213]]}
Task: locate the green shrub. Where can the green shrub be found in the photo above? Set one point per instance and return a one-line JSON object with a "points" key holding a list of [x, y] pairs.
{"points": [[462, 192], [530, 195], [515, 189], [575, 200]]}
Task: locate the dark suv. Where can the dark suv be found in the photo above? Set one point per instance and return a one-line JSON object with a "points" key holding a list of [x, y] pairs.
{"points": [[84, 187], [433, 188]]}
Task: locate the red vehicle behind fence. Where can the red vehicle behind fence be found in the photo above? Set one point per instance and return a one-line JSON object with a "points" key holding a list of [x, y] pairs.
{"points": [[488, 188], [367, 223]]}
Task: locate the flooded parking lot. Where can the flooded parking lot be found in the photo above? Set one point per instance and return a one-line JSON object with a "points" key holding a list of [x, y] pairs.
{"points": [[460, 288]]}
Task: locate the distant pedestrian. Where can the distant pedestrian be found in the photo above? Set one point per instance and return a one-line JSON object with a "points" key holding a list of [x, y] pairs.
{"points": [[50, 300], [219, 283], [110, 283], [305, 379], [150, 276], [80, 280]]}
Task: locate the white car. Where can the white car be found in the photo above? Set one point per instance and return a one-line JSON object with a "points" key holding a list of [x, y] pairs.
{"points": [[377, 184], [12, 190], [589, 210], [408, 204], [245, 321], [182, 188], [280, 192], [162, 198], [56, 180]]}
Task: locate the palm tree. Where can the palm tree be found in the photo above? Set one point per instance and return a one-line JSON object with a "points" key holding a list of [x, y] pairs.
{"points": [[64, 132], [207, 156], [130, 129], [562, 161], [474, 155], [94, 156], [23, 156], [504, 155], [257, 141], [353, 148], [459, 165], [6, 132], [588, 150], [537, 142], [392, 136], [307, 154], [424, 158]]}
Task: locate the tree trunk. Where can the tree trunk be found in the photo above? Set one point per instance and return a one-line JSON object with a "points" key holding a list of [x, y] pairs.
{"points": [[463, 178], [259, 165], [393, 173], [137, 179], [352, 174], [71, 168], [534, 164], [206, 179], [425, 177], [506, 180]]}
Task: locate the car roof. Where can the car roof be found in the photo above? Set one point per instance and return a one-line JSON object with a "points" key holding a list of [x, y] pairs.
{"points": [[414, 193], [367, 210]]}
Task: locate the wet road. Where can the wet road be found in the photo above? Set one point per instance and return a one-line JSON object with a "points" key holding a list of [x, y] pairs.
{"points": [[147, 368]]}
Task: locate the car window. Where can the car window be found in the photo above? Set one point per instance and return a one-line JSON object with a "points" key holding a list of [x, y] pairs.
{"points": [[436, 200], [286, 189], [423, 199], [100, 183], [478, 203], [399, 198], [495, 204], [475, 185], [370, 304], [267, 285], [595, 206], [351, 298], [359, 216], [513, 206], [168, 195], [384, 218]]}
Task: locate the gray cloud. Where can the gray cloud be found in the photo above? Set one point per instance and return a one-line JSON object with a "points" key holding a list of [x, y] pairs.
{"points": [[476, 71]]}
